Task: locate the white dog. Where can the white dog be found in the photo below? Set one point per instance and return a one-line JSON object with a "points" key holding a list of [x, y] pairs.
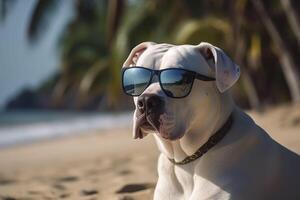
{"points": [[210, 149]]}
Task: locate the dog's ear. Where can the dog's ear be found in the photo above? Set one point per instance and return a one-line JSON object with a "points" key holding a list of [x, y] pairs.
{"points": [[136, 52], [226, 71]]}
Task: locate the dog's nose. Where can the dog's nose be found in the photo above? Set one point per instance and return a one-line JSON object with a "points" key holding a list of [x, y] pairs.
{"points": [[150, 103]]}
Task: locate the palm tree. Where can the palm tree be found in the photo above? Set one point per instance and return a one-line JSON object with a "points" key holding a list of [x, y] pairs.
{"points": [[102, 33], [241, 51], [87, 50], [288, 66], [292, 18]]}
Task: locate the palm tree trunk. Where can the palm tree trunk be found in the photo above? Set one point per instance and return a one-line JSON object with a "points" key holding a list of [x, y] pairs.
{"points": [[250, 90], [285, 58], [239, 54], [115, 11], [292, 18], [246, 78], [58, 92]]}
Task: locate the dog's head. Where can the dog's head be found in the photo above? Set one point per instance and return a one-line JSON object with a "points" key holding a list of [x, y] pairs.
{"points": [[171, 118]]}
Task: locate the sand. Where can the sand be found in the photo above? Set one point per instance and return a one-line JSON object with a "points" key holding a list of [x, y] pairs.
{"points": [[107, 165]]}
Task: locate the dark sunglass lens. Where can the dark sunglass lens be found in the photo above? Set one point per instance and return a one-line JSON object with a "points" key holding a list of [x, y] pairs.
{"points": [[135, 80], [176, 82]]}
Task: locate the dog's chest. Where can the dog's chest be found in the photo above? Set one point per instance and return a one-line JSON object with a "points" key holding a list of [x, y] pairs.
{"points": [[195, 187], [185, 178]]}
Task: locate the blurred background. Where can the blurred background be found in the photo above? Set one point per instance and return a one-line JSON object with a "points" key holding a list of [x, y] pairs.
{"points": [[60, 64], [62, 59]]}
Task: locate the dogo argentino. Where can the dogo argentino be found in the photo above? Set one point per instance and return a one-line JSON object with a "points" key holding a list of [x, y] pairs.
{"points": [[210, 149]]}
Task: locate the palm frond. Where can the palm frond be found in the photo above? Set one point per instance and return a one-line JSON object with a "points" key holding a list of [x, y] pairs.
{"points": [[214, 30], [39, 20], [5, 7]]}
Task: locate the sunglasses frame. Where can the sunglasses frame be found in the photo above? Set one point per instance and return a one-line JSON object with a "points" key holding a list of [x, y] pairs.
{"points": [[195, 75]]}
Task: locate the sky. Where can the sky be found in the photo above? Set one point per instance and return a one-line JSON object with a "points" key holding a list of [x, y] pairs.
{"points": [[23, 65]]}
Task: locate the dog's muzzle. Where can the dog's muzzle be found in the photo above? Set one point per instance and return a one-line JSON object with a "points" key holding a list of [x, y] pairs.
{"points": [[149, 109]]}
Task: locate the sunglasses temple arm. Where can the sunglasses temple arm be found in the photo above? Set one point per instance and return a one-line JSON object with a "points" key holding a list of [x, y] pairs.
{"points": [[204, 78]]}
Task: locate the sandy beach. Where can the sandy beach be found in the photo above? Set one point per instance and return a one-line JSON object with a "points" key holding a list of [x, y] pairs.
{"points": [[107, 165]]}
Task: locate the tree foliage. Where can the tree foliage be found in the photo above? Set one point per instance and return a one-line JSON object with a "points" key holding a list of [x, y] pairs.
{"points": [[259, 35]]}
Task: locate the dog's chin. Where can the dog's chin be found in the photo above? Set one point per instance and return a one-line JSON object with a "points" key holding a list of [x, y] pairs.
{"points": [[170, 134], [168, 128]]}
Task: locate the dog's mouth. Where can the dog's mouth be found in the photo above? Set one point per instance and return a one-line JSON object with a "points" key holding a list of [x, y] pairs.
{"points": [[161, 124], [143, 126]]}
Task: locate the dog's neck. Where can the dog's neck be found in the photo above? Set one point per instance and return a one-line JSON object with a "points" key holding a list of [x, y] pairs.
{"points": [[199, 135]]}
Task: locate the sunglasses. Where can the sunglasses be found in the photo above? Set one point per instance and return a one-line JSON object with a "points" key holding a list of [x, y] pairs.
{"points": [[175, 82]]}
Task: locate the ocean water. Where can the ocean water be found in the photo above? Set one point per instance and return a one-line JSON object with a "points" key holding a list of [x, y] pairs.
{"points": [[19, 127]]}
